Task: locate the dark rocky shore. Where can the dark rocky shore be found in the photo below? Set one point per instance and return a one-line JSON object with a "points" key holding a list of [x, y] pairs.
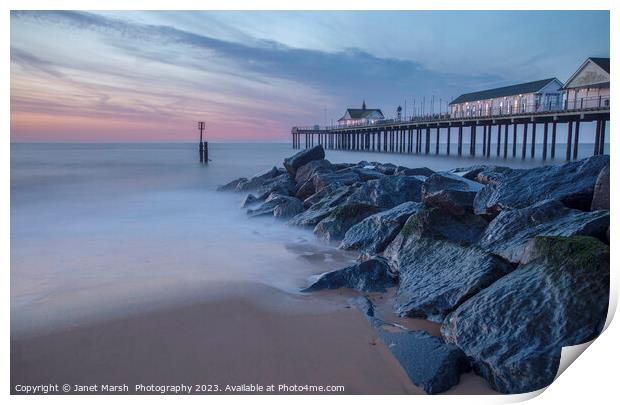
{"points": [[513, 263]]}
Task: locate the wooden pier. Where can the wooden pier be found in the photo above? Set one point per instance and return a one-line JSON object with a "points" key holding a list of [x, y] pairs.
{"points": [[498, 132]]}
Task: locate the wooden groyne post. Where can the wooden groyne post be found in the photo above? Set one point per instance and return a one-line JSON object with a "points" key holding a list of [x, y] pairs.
{"points": [[203, 147]]}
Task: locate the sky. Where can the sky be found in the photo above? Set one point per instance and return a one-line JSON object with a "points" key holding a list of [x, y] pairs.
{"points": [[133, 76]]}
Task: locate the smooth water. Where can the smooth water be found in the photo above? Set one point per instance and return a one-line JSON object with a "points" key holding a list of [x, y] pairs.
{"points": [[101, 229]]}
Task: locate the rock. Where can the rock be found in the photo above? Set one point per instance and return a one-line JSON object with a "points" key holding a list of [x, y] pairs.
{"points": [[258, 181], [418, 171], [338, 222], [571, 183], [322, 180], [386, 168], [305, 190], [374, 233], [437, 223], [305, 172], [281, 184], [436, 276], [430, 363], [365, 173], [388, 191], [450, 191], [369, 276], [600, 199], [232, 186], [303, 157], [318, 196], [509, 233], [288, 209], [323, 208], [365, 305], [248, 200], [514, 330], [490, 171], [280, 206]]}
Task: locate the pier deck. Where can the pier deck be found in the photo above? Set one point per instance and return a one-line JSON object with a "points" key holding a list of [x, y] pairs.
{"points": [[498, 133]]}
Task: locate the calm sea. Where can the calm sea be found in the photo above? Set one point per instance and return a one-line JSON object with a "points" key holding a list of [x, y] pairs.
{"points": [[100, 229]]}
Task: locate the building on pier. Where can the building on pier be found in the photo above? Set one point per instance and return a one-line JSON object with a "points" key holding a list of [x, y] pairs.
{"points": [[537, 96], [361, 116], [588, 87]]}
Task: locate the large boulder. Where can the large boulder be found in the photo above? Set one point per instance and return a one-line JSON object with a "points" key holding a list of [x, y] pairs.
{"points": [[451, 192], [338, 222], [248, 200], [305, 172], [437, 223], [323, 208], [417, 171], [318, 196], [369, 276], [515, 329], [305, 189], [347, 177], [258, 180], [430, 363], [385, 168], [373, 234], [509, 233], [485, 171], [303, 157], [436, 276], [572, 183], [232, 185], [281, 184], [366, 173], [600, 199], [389, 191], [280, 206]]}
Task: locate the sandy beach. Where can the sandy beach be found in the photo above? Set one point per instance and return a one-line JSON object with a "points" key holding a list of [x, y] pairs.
{"points": [[224, 341]]}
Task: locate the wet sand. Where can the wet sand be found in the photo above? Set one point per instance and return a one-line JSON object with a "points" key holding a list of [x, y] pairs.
{"points": [[225, 340]]}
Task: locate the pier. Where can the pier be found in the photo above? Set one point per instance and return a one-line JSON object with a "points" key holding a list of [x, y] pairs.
{"points": [[500, 133]]}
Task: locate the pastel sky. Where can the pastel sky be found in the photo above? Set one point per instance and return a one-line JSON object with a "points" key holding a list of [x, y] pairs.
{"points": [[149, 76]]}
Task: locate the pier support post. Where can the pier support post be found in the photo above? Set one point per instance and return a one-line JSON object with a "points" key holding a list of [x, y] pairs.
{"points": [[545, 133], [533, 148], [601, 145], [499, 139], [437, 142], [569, 139], [514, 140], [448, 141], [576, 145], [554, 128], [484, 140], [473, 140], [427, 146], [597, 136], [505, 141], [524, 146], [489, 140], [460, 141]]}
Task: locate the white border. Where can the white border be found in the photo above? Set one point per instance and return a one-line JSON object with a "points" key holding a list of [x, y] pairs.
{"points": [[591, 380]]}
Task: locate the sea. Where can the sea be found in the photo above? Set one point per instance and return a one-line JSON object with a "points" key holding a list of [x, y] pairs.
{"points": [[99, 230]]}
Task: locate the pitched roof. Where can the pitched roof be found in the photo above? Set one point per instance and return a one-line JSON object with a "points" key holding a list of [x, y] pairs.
{"points": [[523, 88], [360, 113], [602, 62]]}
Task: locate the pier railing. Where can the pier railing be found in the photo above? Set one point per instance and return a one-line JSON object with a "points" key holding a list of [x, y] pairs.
{"points": [[499, 128], [581, 104]]}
